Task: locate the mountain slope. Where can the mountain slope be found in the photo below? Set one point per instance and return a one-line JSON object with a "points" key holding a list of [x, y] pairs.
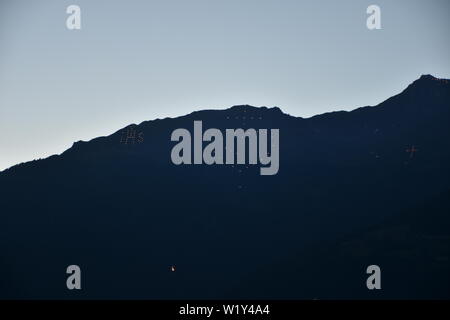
{"points": [[349, 193]]}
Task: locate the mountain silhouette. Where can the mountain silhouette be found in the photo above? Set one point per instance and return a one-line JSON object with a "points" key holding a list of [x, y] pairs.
{"points": [[358, 188]]}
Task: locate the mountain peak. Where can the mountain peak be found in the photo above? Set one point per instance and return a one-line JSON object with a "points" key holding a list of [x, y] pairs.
{"points": [[246, 107], [427, 77], [426, 81]]}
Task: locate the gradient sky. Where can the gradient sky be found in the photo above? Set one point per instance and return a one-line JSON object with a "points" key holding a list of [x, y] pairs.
{"points": [[140, 60]]}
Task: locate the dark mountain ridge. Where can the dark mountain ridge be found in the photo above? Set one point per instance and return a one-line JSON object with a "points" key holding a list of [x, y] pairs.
{"points": [[369, 186]]}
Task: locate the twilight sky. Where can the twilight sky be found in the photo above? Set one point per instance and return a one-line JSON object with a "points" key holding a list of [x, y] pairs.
{"points": [[140, 60]]}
